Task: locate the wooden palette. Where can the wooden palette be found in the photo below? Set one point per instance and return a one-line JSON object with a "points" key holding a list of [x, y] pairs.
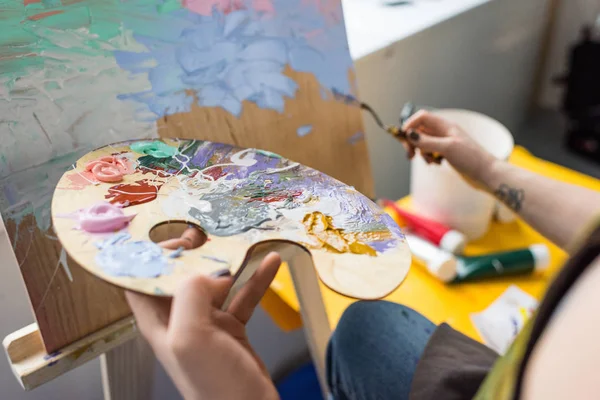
{"points": [[238, 197]]}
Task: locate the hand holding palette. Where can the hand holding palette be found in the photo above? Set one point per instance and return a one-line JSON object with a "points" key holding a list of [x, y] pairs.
{"points": [[239, 198]]}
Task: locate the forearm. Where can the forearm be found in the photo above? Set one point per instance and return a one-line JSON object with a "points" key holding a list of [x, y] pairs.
{"points": [[557, 210]]}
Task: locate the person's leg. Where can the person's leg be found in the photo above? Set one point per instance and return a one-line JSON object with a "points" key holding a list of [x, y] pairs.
{"points": [[374, 351]]}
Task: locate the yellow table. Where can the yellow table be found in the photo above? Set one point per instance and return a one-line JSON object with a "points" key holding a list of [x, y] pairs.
{"points": [[435, 300]]}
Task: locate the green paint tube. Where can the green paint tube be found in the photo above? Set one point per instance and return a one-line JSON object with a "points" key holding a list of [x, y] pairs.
{"points": [[450, 269], [518, 262]]}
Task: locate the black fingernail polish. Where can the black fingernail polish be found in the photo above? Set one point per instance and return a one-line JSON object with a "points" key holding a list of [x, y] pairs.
{"points": [[414, 136], [222, 273]]}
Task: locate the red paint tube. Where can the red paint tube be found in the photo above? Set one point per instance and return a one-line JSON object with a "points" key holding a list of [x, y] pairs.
{"points": [[438, 234]]}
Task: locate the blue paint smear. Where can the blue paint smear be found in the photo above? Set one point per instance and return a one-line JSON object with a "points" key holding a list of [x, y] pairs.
{"points": [[52, 355], [138, 259], [225, 59], [304, 130], [357, 137], [177, 253], [215, 259], [345, 98], [117, 238]]}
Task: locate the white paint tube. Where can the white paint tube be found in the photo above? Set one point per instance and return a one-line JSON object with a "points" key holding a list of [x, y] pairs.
{"points": [[439, 263]]}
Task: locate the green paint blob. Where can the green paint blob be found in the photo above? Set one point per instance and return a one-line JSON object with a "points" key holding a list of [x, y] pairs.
{"points": [[268, 153], [168, 6], [91, 28], [155, 149]]}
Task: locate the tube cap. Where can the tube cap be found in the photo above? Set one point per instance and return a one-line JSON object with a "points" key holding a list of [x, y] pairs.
{"points": [[453, 241], [439, 263], [541, 255], [443, 268]]}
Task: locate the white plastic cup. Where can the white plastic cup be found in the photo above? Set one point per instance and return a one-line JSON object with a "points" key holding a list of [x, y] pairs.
{"points": [[438, 192]]}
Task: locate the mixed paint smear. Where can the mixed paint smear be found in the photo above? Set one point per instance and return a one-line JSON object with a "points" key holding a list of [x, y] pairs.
{"points": [[320, 227], [245, 192]]}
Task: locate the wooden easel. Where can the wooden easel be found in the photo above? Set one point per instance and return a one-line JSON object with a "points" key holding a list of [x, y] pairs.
{"points": [[127, 361]]}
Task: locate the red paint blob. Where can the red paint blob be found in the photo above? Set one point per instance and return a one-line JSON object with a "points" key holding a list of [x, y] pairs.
{"points": [[37, 17], [214, 172], [158, 171], [272, 198], [132, 194]]}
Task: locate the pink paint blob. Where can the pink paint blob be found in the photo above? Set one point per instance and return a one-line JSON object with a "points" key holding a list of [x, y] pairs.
{"points": [[102, 217], [330, 9], [110, 168], [80, 180], [105, 172]]}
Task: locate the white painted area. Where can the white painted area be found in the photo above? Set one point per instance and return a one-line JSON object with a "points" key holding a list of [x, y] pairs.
{"points": [[572, 15], [484, 59], [372, 25]]}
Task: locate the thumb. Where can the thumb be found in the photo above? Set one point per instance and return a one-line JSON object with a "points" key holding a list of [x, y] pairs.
{"points": [[427, 143]]}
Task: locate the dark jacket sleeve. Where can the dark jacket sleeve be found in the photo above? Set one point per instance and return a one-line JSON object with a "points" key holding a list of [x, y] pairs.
{"points": [[452, 367]]}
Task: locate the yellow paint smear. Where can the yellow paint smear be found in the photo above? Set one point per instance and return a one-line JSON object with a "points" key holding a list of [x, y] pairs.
{"points": [[320, 228]]}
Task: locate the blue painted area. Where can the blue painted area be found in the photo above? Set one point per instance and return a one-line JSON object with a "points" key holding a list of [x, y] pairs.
{"points": [[177, 253], [117, 238], [357, 137], [224, 59], [304, 130], [139, 259], [51, 355], [346, 98]]}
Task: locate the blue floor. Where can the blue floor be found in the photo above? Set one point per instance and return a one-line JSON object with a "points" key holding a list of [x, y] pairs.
{"points": [[301, 384]]}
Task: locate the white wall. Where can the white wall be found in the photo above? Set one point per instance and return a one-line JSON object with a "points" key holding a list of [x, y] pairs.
{"points": [[484, 60], [572, 14]]}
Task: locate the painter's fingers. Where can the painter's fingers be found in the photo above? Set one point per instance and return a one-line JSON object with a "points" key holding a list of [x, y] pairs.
{"points": [[194, 236], [191, 238], [174, 244], [151, 314], [428, 122], [429, 144], [194, 301], [243, 305], [410, 149]]}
